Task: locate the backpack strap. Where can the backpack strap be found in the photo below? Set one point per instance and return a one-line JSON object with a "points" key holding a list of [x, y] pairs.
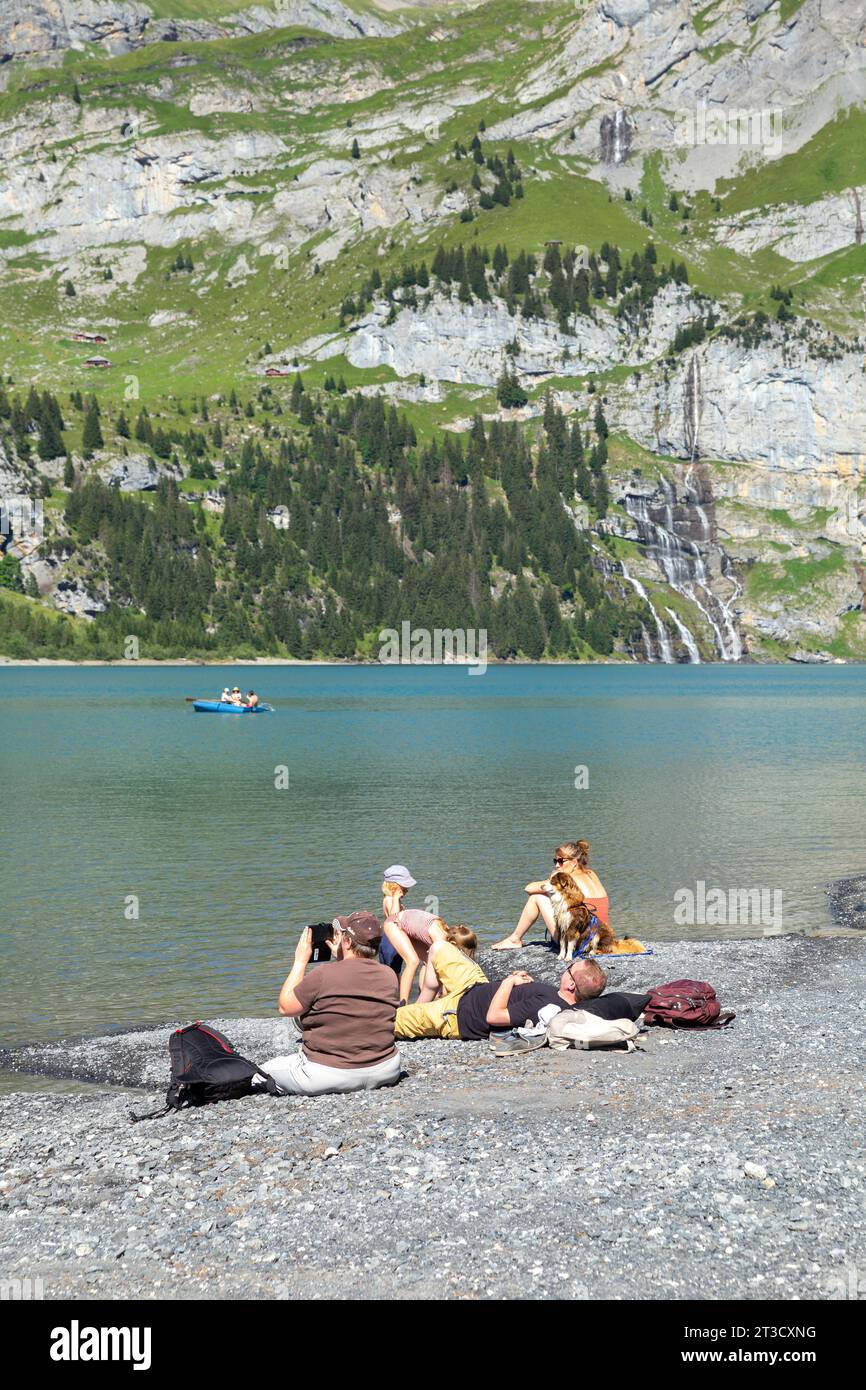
{"points": [[273, 1088], [151, 1114], [172, 1102], [722, 1021]]}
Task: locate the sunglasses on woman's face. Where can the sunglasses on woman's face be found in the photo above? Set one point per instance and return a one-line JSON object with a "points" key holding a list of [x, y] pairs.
{"points": [[560, 861]]}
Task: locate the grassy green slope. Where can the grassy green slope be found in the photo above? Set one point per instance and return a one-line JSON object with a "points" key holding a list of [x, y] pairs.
{"points": [[830, 162], [217, 343]]}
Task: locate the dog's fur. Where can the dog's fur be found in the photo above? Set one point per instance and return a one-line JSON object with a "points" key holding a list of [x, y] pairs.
{"points": [[573, 924]]}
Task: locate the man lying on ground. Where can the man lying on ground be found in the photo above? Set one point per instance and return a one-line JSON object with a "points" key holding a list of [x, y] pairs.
{"points": [[471, 1007], [346, 1009]]}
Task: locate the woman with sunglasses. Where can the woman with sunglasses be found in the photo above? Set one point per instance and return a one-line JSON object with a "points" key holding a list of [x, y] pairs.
{"points": [[571, 858]]}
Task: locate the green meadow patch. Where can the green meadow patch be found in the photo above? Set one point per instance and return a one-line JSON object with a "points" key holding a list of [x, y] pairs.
{"points": [[766, 580], [833, 160]]}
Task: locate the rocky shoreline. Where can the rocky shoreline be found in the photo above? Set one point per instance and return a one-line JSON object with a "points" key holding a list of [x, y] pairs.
{"points": [[847, 902], [710, 1165]]}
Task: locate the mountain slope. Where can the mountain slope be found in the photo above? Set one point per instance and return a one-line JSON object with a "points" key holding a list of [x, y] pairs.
{"points": [[229, 202]]}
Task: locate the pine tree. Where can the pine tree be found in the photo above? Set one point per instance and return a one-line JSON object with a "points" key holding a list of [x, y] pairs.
{"points": [[583, 482], [143, 427], [92, 439], [552, 619], [509, 392], [581, 292], [10, 573], [602, 497], [529, 630], [50, 444], [356, 149], [161, 444]]}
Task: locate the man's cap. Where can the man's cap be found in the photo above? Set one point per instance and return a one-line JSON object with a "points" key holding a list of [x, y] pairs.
{"points": [[363, 927], [398, 873]]}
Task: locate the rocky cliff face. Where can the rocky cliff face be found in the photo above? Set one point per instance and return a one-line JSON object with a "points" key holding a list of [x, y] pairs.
{"points": [[39, 29], [775, 404], [697, 83], [801, 233], [474, 343]]}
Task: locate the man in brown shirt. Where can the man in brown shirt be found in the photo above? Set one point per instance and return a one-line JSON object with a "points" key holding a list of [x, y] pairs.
{"points": [[346, 1008]]}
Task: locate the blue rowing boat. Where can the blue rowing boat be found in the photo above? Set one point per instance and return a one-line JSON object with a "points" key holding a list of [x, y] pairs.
{"points": [[223, 707]]}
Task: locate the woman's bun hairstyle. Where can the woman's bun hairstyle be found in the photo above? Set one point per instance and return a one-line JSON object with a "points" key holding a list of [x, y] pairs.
{"points": [[578, 850]]}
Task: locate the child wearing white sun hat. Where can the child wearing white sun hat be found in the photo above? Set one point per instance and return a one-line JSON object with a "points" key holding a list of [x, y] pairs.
{"points": [[409, 932]]}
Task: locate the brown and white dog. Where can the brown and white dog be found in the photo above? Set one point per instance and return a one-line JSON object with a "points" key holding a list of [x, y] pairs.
{"points": [[575, 924]]}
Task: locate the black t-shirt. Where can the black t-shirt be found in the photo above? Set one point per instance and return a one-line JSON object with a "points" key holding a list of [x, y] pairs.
{"points": [[526, 1001], [523, 1006]]}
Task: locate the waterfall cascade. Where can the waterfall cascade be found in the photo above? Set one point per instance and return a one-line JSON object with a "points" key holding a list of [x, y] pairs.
{"points": [[665, 649], [616, 134], [689, 642], [677, 535]]}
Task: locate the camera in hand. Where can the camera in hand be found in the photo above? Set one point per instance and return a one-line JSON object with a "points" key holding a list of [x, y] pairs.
{"points": [[321, 933]]}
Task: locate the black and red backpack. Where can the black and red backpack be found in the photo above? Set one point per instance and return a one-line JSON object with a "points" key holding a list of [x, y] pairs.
{"points": [[204, 1068]]}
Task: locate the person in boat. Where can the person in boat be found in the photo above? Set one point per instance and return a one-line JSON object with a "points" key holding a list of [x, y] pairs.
{"points": [[571, 858], [409, 932], [252, 699], [235, 696], [226, 697]]}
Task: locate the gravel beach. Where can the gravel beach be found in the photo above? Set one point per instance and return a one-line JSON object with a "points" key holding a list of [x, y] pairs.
{"points": [[714, 1165]]}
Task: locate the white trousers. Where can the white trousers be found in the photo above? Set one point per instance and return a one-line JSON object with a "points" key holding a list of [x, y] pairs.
{"points": [[298, 1076]]}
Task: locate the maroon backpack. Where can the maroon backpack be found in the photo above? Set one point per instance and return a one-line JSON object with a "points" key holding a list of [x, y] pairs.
{"points": [[686, 1004]]}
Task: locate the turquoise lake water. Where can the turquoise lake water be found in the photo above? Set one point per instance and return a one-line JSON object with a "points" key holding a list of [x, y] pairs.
{"points": [[113, 789]]}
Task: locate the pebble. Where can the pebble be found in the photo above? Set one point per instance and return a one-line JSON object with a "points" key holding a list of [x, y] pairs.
{"points": [[755, 1170]]}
